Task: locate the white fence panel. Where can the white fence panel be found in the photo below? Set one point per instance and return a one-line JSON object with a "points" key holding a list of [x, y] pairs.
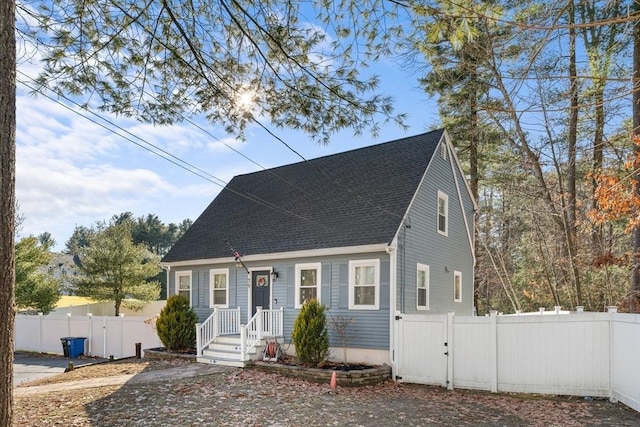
{"points": [[52, 329], [472, 355], [29, 341], [554, 354], [134, 331], [106, 336], [625, 355]]}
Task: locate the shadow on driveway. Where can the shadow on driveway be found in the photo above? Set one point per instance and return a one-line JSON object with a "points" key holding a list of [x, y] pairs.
{"points": [[29, 367]]}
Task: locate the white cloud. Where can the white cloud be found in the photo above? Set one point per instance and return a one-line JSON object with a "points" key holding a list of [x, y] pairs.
{"points": [[223, 144]]}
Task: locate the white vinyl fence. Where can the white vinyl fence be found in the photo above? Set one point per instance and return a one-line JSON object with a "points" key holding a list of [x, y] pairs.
{"points": [[586, 354], [105, 336]]}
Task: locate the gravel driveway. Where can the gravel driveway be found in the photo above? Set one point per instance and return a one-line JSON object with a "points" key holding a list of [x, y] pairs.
{"points": [[235, 397]]}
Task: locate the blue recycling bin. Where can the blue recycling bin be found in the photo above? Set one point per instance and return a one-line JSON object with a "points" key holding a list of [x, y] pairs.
{"points": [[73, 346]]}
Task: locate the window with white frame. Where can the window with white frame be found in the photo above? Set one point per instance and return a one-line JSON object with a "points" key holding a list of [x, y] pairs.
{"points": [[364, 284], [443, 213], [423, 287], [219, 288], [457, 286], [307, 283], [183, 284]]}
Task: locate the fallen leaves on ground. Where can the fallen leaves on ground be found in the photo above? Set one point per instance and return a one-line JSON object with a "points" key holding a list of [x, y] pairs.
{"points": [[247, 397]]}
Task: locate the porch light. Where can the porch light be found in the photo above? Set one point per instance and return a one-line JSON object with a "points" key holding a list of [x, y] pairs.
{"points": [[274, 275]]}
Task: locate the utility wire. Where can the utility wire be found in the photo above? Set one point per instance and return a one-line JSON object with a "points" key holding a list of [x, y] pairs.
{"points": [[166, 155], [331, 180]]}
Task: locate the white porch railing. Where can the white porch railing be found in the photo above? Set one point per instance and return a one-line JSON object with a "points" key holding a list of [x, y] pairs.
{"points": [[223, 321], [265, 323]]}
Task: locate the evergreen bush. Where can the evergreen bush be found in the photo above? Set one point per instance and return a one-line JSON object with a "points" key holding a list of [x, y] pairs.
{"points": [[176, 324], [310, 334]]}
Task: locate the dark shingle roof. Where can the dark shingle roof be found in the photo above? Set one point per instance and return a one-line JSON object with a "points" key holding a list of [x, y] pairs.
{"points": [[348, 199]]}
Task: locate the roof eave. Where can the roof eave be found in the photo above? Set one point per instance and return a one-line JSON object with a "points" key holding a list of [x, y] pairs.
{"points": [[311, 253]]}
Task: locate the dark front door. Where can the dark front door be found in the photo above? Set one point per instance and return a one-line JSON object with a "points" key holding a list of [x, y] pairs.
{"points": [[260, 290]]}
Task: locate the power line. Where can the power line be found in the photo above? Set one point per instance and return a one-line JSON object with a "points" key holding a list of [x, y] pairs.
{"points": [[166, 155]]}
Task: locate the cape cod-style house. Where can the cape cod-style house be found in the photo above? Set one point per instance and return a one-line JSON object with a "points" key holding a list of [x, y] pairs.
{"points": [[371, 233]]}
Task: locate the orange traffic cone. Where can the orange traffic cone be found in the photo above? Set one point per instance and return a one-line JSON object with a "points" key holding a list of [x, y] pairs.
{"points": [[334, 381]]}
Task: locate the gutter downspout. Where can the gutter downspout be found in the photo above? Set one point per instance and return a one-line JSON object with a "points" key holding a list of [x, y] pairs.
{"points": [[168, 268], [392, 250]]}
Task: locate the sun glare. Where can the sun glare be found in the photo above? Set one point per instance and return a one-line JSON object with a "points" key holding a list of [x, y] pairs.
{"points": [[246, 99]]}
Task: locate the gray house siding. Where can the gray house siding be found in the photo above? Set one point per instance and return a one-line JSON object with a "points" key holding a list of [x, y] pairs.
{"points": [[370, 328], [200, 287], [421, 243]]}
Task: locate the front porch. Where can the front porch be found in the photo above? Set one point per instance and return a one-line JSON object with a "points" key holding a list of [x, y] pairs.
{"points": [[223, 340]]}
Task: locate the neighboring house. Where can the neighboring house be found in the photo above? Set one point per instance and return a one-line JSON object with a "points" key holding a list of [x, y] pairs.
{"points": [[64, 267], [371, 233]]}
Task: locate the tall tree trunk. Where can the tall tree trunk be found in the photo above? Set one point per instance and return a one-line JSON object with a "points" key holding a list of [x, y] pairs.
{"points": [[635, 276], [598, 159], [474, 182], [7, 204], [572, 235]]}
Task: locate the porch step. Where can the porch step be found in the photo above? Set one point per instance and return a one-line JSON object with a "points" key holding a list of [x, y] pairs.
{"points": [[225, 351], [220, 361], [227, 347]]}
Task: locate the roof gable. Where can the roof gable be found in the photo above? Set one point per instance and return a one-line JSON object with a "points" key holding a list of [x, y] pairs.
{"points": [[354, 198]]}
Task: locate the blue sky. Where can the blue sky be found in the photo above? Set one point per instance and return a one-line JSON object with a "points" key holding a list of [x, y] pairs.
{"points": [[70, 171]]}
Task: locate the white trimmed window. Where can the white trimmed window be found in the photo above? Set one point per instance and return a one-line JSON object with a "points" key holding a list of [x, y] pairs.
{"points": [[183, 284], [307, 283], [423, 287], [364, 284], [457, 286], [219, 288], [443, 213]]}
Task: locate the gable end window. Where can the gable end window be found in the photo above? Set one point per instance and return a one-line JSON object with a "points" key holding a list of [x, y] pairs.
{"points": [[307, 283], [183, 284], [423, 287], [443, 213], [457, 286], [219, 288], [364, 284]]}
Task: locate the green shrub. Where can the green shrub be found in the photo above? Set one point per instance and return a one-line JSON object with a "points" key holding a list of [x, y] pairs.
{"points": [[176, 324], [310, 334]]}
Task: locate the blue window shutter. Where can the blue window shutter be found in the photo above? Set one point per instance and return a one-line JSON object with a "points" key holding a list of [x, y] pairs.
{"points": [[233, 288], [343, 287], [325, 286], [195, 286], [385, 269], [291, 287]]}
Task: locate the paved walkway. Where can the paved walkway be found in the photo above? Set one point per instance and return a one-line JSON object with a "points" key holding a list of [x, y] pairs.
{"points": [[181, 372]]}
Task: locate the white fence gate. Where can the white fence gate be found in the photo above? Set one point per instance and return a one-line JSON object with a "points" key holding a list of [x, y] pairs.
{"points": [[422, 348], [105, 336], [588, 354]]}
